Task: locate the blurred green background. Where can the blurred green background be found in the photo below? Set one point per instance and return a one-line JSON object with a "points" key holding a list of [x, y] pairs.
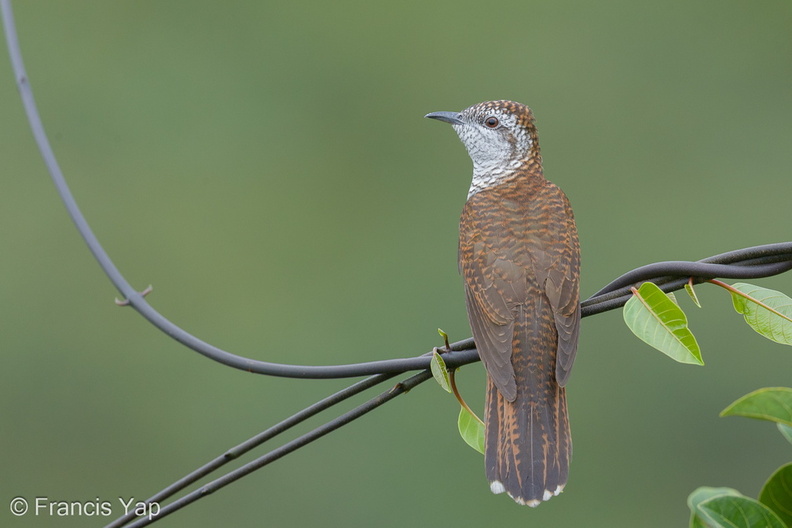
{"points": [[265, 165]]}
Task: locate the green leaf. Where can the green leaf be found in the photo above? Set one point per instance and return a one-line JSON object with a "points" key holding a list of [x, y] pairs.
{"points": [[697, 518], [660, 323], [728, 511], [445, 338], [692, 293], [770, 403], [671, 296], [777, 493], [471, 429], [786, 430], [440, 371], [771, 316]]}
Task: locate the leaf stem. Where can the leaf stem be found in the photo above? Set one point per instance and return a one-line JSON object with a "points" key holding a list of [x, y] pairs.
{"points": [[452, 379], [744, 295]]}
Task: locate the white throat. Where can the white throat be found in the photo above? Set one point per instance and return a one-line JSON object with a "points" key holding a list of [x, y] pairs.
{"points": [[489, 175], [495, 155]]}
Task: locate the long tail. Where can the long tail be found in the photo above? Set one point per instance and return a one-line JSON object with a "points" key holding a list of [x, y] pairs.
{"points": [[528, 442]]}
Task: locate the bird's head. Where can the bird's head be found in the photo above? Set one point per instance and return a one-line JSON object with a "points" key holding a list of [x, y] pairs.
{"points": [[498, 135]]}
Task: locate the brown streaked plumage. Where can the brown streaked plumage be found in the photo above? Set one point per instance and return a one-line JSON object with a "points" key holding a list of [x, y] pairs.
{"points": [[520, 260]]}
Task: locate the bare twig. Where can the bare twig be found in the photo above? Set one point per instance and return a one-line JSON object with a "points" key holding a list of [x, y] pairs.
{"points": [[400, 388]]}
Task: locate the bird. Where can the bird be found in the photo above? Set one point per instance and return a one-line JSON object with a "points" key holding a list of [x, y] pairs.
{"points": [[519, 257]]}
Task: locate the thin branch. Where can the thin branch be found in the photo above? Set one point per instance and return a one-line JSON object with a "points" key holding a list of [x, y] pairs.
{"points": [[672, 276], [400, 388], [244, 447], [749, 263]]}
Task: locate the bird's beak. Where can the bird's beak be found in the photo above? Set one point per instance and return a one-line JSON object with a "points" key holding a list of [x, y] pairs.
{"points": [[449, 117]]}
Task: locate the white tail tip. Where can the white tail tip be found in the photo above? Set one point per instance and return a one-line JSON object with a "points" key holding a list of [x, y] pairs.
{"points": [[497, 487]]}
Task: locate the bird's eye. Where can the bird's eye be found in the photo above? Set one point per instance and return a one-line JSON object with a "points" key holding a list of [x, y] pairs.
{"points": [[491, 122]]}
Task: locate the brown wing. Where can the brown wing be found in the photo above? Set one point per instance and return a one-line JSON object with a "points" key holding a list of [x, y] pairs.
{"points": [[491, 321], [515, 239], [563, 290]]}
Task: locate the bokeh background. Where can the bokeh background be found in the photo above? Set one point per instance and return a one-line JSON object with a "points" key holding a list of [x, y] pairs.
{"points": [[265, 165]]}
